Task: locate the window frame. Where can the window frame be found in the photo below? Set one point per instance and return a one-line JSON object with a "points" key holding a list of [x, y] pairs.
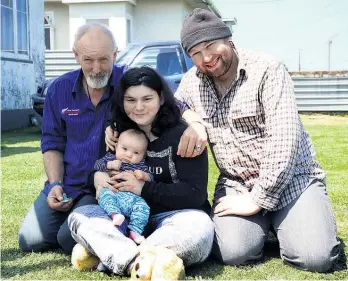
{"points": [[15, 54], [50, 26], [175, 48]]}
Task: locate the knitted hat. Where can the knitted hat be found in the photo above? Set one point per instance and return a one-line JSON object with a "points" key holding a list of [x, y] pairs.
{"points": [[201, 26]]}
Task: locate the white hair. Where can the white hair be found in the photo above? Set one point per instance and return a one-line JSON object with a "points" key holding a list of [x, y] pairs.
{"points": [[86, 27]]}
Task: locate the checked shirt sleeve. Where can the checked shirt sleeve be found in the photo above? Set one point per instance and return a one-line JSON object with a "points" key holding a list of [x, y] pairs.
{"points": [[182, 94], [282, 137]]}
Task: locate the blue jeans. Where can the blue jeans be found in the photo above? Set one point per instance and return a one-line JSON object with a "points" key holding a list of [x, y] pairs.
{"points": [[305, 228], [44, 228]]}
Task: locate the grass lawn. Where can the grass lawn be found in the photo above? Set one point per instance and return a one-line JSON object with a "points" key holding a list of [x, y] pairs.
{"points": [[23, 177]]}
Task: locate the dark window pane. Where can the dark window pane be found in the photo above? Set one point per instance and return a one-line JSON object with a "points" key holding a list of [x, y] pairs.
{"points": [[48, 39], [22, 35], [45, 21], [7, 3], [7, 42], [22, 5]]}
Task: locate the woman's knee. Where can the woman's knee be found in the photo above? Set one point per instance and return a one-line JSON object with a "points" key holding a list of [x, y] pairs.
{"points": [[197, 243]]}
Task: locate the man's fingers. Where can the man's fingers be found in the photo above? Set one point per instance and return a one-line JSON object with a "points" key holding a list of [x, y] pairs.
{"points": [[224, 213], [122, 186], [182, 146], [190, 147]]}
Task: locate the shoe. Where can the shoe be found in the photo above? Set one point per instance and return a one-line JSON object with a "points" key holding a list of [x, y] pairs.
{"points": [[82, 259]]}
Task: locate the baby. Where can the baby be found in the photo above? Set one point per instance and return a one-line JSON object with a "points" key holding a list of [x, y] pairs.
{"points": [[129, 156]]}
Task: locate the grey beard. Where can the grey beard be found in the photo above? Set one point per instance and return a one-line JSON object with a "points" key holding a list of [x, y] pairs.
{"points": [[97, 81]]}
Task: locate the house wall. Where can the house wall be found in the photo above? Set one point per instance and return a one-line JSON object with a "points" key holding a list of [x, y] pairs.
{"points": [[114, 12], [187, 9], [19, 78], [61, 24], [157, 20]]}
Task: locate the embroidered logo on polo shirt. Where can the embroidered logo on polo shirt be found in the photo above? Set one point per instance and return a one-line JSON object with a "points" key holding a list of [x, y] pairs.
{"points": [[68, 111]]}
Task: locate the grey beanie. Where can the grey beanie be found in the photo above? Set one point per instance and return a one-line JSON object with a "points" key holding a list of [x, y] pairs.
{"points": [[201, 26]]}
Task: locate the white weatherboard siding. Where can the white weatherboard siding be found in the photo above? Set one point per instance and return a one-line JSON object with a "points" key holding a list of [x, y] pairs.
{"points": [[20, 75], [157, 20], [61, 24], [114, 13]]}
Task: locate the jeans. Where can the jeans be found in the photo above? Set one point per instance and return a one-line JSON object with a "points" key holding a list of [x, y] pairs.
{"points": [[44, 228], [305, 228]]}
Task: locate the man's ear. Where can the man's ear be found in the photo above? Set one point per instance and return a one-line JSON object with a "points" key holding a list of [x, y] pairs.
{"points": [[76, 56], [114, 56]]}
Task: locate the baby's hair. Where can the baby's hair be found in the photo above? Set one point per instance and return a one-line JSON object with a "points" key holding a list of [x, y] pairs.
{"points": [[138, 133]]}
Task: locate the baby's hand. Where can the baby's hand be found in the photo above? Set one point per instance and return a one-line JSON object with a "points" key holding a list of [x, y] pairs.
{"points": [[114, 165]]}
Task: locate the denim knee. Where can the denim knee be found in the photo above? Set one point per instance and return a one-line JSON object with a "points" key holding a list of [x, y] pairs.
{"points": [[29, 242], [65, 239], [318, 260], [233, 254]]}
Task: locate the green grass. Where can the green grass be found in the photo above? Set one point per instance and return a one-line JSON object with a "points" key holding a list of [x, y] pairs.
{"points": [[23, 177]]}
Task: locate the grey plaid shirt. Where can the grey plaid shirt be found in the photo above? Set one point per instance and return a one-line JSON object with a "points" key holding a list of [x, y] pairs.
{"points": [[256, 135]]}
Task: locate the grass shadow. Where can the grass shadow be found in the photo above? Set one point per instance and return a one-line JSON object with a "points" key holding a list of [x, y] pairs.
{"points": [[8, 151], [18, 269], [341, 264], [19, 136], [11, 254], [209, 269]]}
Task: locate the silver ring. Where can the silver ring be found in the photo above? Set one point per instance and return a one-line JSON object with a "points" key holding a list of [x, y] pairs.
{"points": [[197, 148]]}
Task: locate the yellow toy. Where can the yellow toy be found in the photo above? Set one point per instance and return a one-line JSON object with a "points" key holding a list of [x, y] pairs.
{"points": [[157, 263], [82, 259]]}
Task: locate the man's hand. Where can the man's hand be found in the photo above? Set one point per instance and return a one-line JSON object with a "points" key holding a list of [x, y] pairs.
{"points": [[240, 204], [102, 180], [111, 138], [193, 141], [114, 165], [54, 198], [129, 183], [141, 175]]}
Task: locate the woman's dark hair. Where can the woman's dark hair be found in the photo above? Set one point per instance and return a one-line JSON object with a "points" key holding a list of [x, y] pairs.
{"points": [[168, 114]]}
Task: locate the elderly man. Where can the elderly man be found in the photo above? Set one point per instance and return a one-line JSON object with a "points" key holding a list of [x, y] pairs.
{"points": [[269, 177], [76, 113]]}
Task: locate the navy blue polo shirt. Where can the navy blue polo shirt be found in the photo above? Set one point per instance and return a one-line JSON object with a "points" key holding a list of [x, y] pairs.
{"points": [[75, 127]]}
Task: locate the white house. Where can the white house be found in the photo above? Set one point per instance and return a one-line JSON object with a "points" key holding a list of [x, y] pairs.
{"points": [[22, 59], [130, 20]]}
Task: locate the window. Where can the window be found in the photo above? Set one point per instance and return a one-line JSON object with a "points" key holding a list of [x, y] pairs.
{"points": [[14, 27], [129, 30], [49, 30], [166, 60]]}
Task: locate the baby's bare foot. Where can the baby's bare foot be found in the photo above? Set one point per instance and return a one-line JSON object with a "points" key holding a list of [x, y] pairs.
{"points": [[136, 237], [117, 219]]}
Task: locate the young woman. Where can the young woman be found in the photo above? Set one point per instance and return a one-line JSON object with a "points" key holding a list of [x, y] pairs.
{"points": [[178, 195]]}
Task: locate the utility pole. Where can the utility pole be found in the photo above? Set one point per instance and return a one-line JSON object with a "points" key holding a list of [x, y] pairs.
{"points": [[299, 59], [329, 58], [329, 52]]}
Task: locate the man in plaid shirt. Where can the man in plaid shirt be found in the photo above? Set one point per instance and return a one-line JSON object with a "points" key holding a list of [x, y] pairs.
{"points": [[269, 177]]}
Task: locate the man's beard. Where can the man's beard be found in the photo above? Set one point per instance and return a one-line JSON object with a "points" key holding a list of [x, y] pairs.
{"points": [[225, 66], [97, 81]]}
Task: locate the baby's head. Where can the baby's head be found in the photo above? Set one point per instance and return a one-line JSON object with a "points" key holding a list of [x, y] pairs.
{"points": [[131, 146]]}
